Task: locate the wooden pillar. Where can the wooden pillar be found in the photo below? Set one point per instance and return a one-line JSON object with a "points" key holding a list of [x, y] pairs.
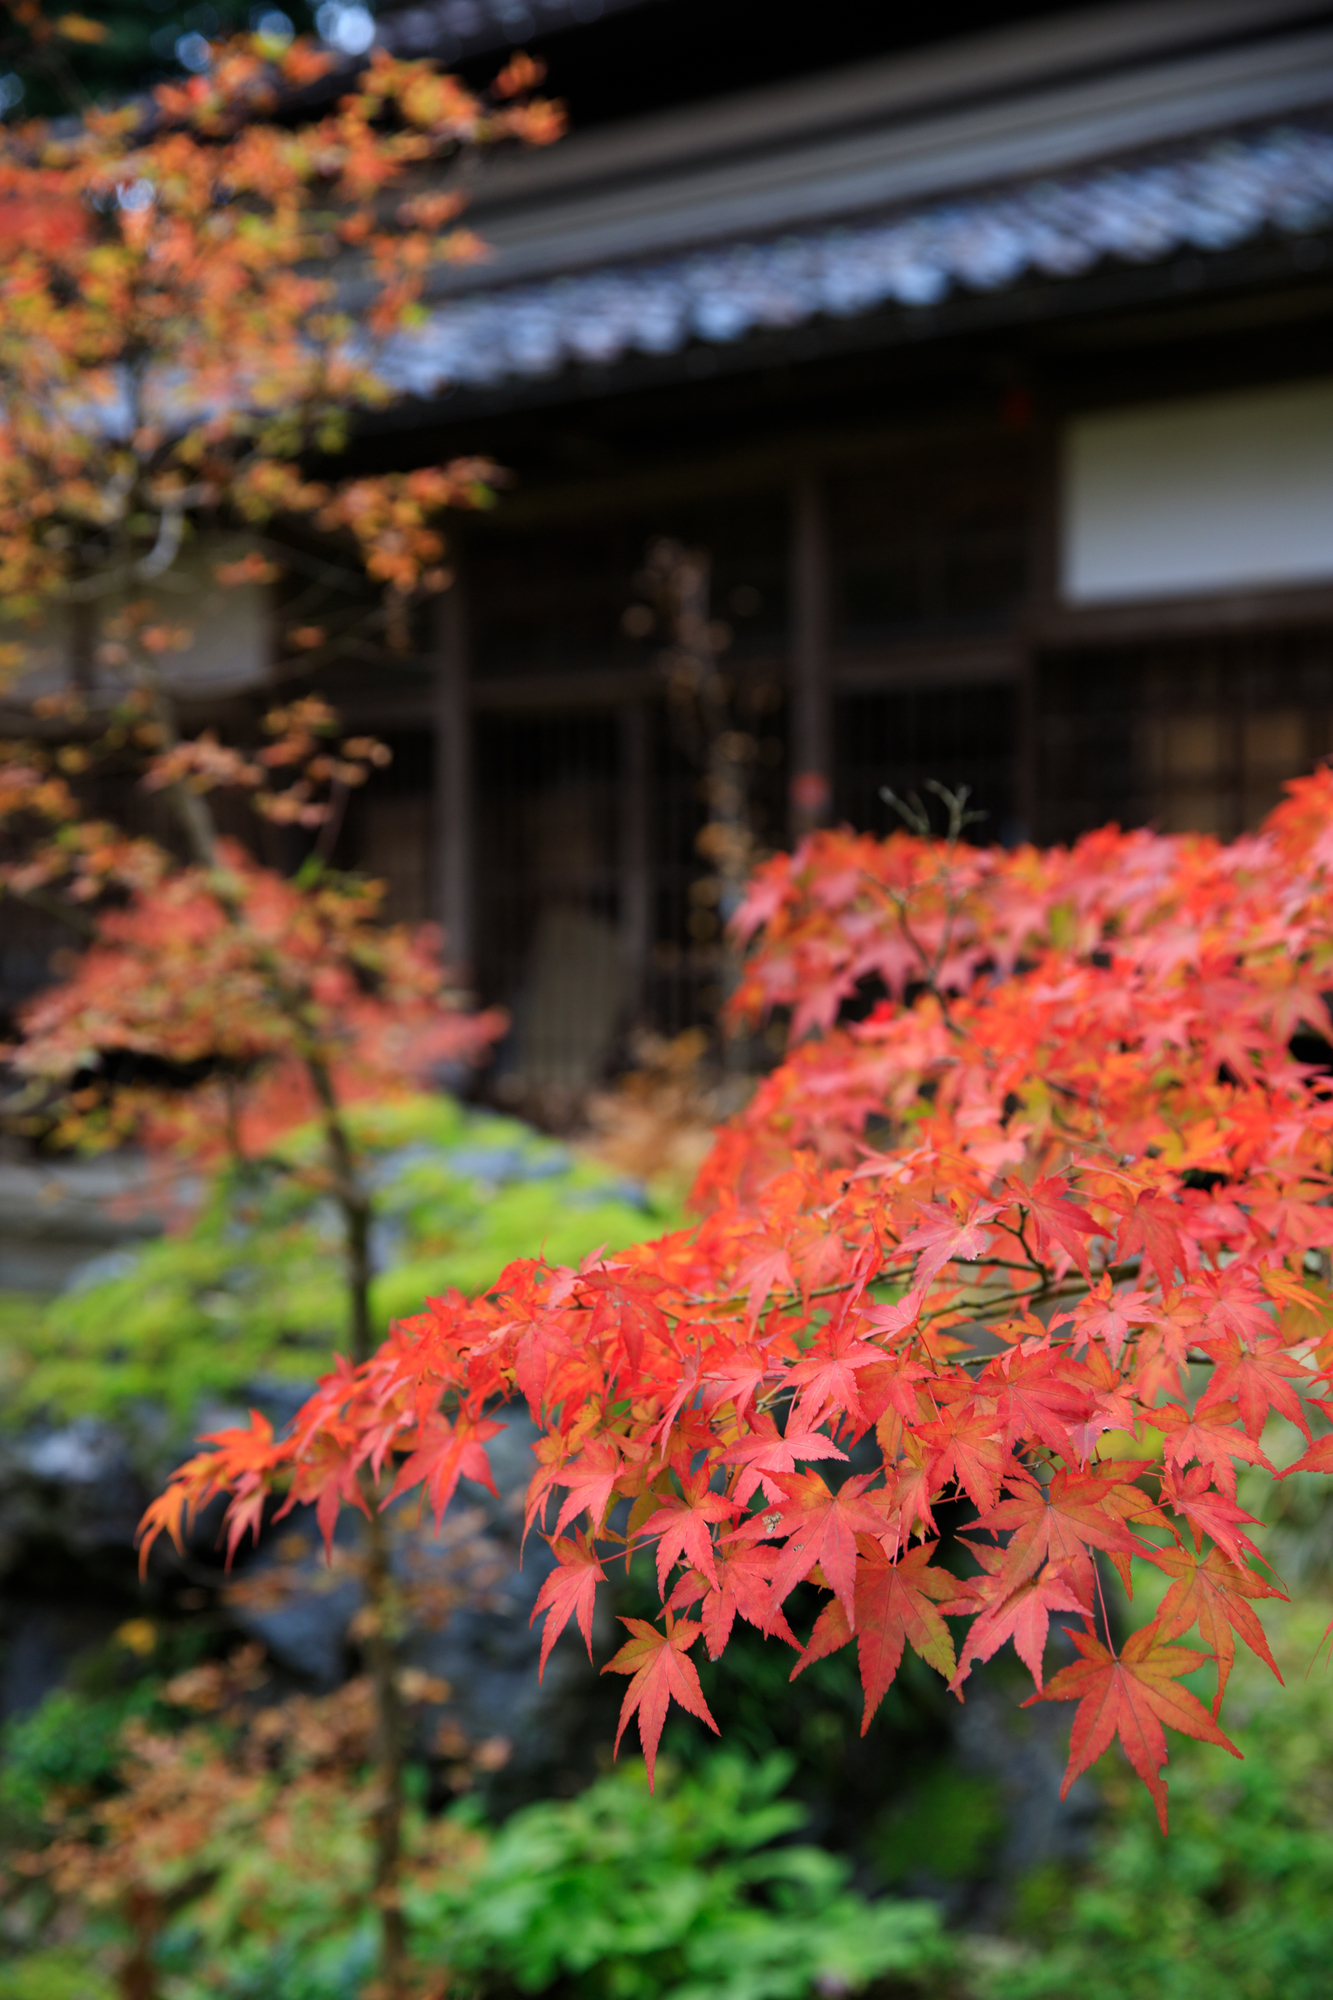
{"points": [[636, 859], [452, 813], [811, 732]]}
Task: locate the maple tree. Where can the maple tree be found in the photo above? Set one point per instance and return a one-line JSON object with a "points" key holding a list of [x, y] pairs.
{"points": [[200, 292], [1044, 1235]]}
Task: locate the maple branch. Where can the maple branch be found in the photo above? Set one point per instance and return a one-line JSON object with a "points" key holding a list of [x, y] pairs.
{"points": [[1036, 1263], [351, 1197]]}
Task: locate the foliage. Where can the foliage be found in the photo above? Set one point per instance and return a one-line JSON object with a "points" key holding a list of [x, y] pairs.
{"points": [[68, 1746], [1237, 1901], [234, 1844], [247, 1827], [174, 335], [618, 1896], [231, 968], [199, 295], [249, 1294], [1098, 1182]]}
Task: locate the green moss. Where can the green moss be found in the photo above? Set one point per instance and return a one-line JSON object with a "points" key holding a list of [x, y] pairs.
{"points": [[252, 1290], [60, 1974]]}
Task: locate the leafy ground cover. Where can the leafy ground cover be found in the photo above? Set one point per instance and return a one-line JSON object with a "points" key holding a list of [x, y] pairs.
{"points": [[247, 1828]]}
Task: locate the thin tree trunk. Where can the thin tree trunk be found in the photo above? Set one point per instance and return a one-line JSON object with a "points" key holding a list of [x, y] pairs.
{"points": [[380, 1610], [355, 1208], [137, 1977], [387, 1819], [353, 1201]]}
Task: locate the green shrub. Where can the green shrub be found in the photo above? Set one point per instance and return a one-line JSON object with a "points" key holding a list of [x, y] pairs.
{"points": [[69, 1744], [688, 1894]]}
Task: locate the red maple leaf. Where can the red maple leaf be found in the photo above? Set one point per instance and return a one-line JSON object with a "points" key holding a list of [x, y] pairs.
{"points": [[734, 1379], [967, 1444], [1131, 1697], [1055, 1219], [897, 1604], [744, 1585], [1207, 1511], [1233, 1302], [590, 1480], [1036, 1398], [821, 1527], [662, 1672], [1257, 1378], [570, 1589], [1210, 1435], [1319, 1457], [1076, 1512], [766, 1456], [1153, 1225], [891, 1384], [941, 1237], [1021, 1612], [444, 1454], [626, 1313], [826, 1376], [897, 1318], [682, 1525], [760, 1274], [1109, 1315], [1214, 1593]]}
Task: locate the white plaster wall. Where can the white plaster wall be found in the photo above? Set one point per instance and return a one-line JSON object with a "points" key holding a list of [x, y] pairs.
{"points": [[230, 627], [1214, 493]]}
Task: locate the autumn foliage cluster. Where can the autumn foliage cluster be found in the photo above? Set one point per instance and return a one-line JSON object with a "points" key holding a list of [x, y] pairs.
{"points": [[1041, 1238], [196, 291], [203, 291]]}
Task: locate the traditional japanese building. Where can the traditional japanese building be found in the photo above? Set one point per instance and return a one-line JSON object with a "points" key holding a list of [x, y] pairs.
{"points": [[988, 353]]}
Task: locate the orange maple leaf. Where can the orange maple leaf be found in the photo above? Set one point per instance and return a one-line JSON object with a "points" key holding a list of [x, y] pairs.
{"points": [[1212, 1592], [1131, 1697]]}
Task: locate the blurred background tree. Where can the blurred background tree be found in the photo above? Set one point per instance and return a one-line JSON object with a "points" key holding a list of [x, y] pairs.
{"points": [[58, 61]]}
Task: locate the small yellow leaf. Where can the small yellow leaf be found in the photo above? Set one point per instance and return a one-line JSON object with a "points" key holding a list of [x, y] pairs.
{"points": [[137, 1635], [78, 28]]}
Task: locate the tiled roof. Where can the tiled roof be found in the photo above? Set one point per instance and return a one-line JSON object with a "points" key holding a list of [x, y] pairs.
{"points": [[1210, 199], [450, 29]]}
